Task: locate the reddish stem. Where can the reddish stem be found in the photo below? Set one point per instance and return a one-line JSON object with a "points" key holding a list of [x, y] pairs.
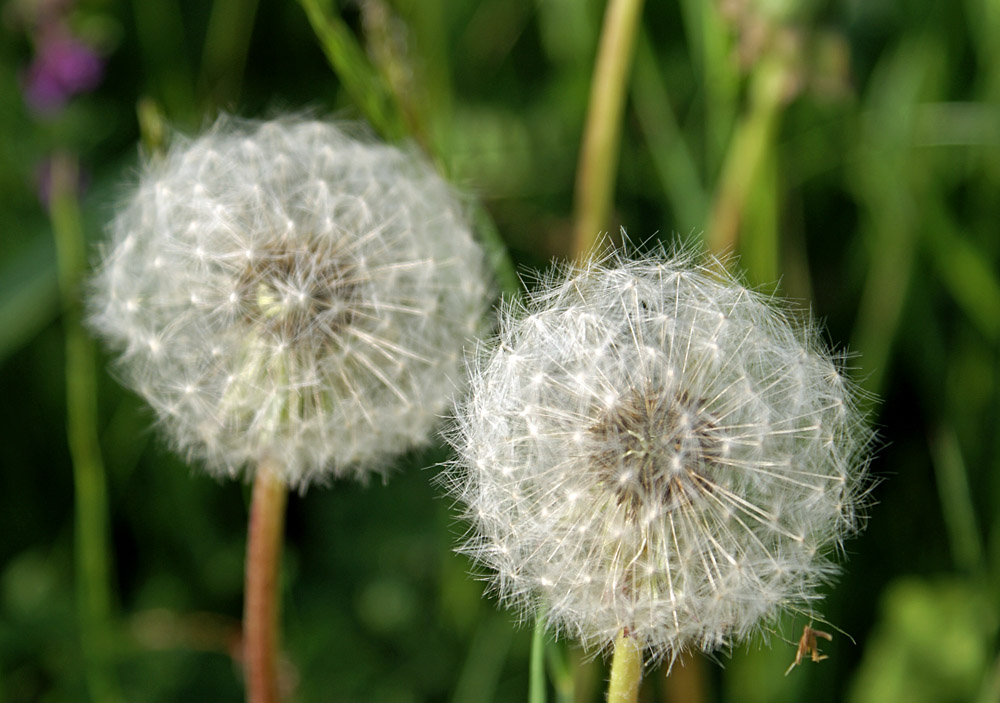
{"points": [[260, 609]]}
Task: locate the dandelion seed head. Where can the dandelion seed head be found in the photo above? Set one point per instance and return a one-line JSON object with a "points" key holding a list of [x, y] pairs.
{"points": [[313, 290], [660, 449]]}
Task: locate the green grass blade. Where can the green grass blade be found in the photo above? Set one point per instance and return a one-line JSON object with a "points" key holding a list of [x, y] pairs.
{"points": [[956, 499], [352, 67], [224, 56], [674, 164], [965, 271]]}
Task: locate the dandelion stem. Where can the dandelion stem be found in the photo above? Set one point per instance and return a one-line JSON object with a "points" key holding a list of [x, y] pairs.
{"points": [[536, 678], [93, 562], [260, 611], [595, 176], [626, 670]]}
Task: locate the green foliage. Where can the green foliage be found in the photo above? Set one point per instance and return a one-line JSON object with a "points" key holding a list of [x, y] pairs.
{"points": [[932, 644], [868, 191]]}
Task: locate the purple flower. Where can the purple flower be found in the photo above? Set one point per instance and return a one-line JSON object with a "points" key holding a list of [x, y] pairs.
{"points": [[62, 67]]}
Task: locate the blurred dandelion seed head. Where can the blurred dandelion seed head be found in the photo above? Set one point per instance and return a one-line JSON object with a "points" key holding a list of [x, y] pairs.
{"points": [[652, 446], [279, 290]]}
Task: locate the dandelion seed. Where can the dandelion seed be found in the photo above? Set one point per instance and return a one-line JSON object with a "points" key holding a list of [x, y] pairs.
{"points": [[660, 452], [313, 290]]}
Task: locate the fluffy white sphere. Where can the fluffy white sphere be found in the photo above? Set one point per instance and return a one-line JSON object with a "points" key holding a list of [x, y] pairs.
{"points": [[281, 291], [651, 447]]}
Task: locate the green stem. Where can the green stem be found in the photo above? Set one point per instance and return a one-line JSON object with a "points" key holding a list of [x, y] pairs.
{"points": [[536, 674], [92, 557], [260, 609], [626, 670], [598, 166]]}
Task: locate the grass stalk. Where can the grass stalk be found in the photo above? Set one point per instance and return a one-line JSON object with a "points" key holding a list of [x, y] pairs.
{"points": [[598, 167], [93, 561]]}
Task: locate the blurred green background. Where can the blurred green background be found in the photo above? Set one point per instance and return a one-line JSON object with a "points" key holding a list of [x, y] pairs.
{"points": [[847, 150]]}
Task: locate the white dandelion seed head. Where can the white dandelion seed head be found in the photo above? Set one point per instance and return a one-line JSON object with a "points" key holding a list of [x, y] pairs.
{"points": [[279, 290], [651, 446]]}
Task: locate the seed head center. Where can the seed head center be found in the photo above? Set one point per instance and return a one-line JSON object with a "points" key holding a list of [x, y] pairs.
{"points": [[655, 448], [298, 293]]}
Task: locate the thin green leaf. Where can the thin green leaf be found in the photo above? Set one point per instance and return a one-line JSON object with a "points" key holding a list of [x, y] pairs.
{"points": [[352, 67], [956, 499], [673, 161], [965, 272], [227, 43]]}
